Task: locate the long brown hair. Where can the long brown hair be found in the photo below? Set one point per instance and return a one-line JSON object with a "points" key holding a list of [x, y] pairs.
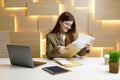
{"points": [[70, 35]]}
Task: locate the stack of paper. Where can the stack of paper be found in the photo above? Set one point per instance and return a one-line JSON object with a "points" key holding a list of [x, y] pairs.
{"points": [[67, 62]]}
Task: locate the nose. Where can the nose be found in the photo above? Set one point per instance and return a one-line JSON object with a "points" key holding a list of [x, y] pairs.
{"points": [[69, 27]]}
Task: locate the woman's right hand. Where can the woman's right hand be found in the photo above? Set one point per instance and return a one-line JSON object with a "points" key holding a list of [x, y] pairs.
{"points": [[88, 45], [62, 49]]}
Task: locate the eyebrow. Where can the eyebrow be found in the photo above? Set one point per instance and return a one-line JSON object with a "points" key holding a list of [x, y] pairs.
{"points": [[68, 23]]}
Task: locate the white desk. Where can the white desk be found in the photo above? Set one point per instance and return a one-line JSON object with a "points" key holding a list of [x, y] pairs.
{"points": [[92, 69]]}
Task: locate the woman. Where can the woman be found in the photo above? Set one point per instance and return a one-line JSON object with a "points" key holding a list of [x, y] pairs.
{"points": [[63, 34]]}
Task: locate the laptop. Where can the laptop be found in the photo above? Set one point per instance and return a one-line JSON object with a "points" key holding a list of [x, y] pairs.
{"points": [[22, 56]]}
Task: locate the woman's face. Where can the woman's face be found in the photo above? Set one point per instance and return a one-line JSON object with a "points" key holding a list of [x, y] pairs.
{"points": [[65, 26]]}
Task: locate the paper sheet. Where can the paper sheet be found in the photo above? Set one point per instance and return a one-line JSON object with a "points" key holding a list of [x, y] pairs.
{"points": [[77, 45], [83, 40]]}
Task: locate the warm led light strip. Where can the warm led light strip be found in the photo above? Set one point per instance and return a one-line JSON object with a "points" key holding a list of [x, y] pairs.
{"points": [[15, 24], [93, 6], [41, 51], [36, 0], [118, 45], [42, 42], [16, 8], [109, 21], [2, 3], [81, 7], [42, 16]]}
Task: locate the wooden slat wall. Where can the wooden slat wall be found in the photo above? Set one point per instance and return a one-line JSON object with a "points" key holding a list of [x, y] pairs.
{"points": [[107, 9], [46, 24], [43, 8], [80, 3], [4, 40], [7, 23], [31, 39], [40, 16], [15, 3]]}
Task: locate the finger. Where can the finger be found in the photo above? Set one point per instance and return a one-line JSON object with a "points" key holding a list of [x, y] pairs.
{"points": [[91, 41]]}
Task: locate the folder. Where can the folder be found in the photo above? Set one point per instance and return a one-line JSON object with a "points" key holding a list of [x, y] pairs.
{"points": [[72, 51]]}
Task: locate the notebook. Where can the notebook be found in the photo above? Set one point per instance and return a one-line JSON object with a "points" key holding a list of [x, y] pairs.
{"points": [[55, 70], [22, 56]]}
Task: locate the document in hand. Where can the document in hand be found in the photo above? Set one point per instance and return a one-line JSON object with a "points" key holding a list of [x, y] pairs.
{"points": [[83, 40], [72, 51], [77, 45], [67, 62]]}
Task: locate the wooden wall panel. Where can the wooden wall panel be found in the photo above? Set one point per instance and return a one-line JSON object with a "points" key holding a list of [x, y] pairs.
{"points": [[46, 24], [1, 3], [111, 26], [15, 3], [7, 23], [31, 39], [4, 40], [86, 19], [81, 18], [107, 49], [94, 26], [43, 8], [26, 24], [104, 39], [95, 52], [80, 3], [107, 9]]}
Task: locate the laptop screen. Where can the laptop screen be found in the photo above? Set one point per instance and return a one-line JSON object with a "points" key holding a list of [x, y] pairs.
{"points": [[20, 55]]}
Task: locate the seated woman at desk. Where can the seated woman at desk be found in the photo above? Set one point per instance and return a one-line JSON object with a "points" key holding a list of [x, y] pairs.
{"points": [[63, 34]]}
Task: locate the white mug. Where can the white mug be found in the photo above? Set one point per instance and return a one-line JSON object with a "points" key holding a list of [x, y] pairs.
{"points": [[106, 57]]}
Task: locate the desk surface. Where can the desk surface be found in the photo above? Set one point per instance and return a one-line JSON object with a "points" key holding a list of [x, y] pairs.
{"points": [[92, 69]]}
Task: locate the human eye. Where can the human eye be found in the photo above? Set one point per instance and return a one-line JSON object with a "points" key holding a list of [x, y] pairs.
{"points": [[67, 24]]}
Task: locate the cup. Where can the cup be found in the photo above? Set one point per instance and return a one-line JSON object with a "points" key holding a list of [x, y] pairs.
{"points": [[106, 58]]}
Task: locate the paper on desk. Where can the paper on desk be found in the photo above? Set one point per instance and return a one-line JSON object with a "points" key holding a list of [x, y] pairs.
{"points": [[63, 61], [83, 40], [67, 62]]}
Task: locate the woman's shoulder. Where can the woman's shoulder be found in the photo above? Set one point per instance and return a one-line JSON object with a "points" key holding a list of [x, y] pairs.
{"points": [[50, 34]]}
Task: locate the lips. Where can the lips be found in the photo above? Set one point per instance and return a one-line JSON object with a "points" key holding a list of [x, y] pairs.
{"points": [[66, 29]]}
